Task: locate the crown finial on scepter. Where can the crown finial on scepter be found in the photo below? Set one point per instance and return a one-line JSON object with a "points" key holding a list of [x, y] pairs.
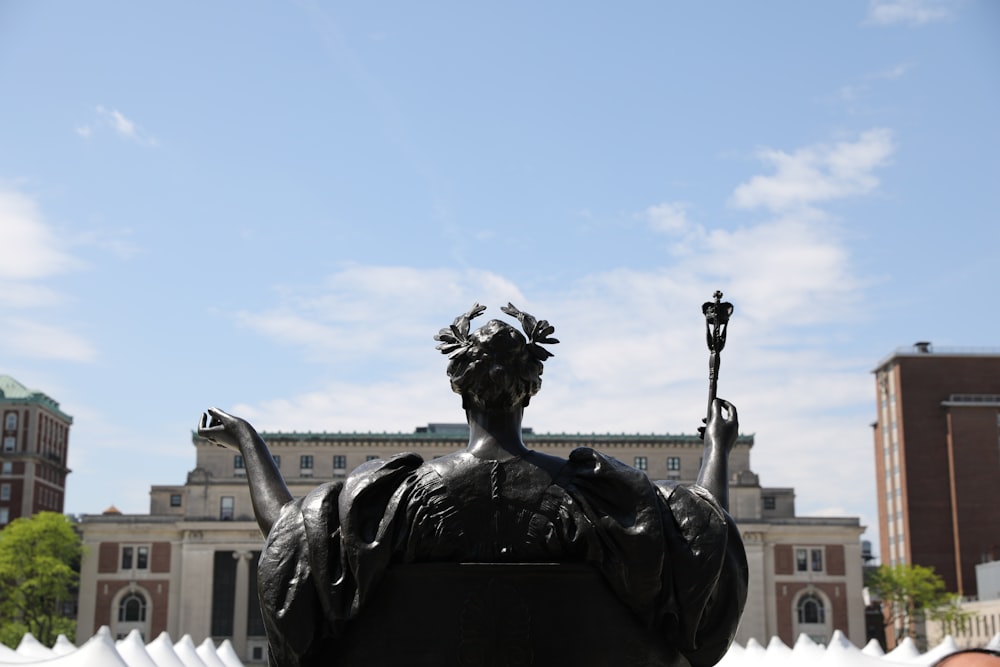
{"points": [[717, 315]]}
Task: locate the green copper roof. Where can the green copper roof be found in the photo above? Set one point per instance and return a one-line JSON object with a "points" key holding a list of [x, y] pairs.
{"points": [[11, 388], [13, 391]]}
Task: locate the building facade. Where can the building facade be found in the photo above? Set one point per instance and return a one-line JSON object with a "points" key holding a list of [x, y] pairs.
{"points": [[981, 625], [937, 459], [34, 439], [189, 566]]}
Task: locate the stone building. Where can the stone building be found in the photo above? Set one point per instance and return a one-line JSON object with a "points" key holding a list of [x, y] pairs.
{"points": [[34, 439], [189, 566]]}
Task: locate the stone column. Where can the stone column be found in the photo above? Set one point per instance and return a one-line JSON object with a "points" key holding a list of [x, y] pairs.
{"points": [[240, 603]]}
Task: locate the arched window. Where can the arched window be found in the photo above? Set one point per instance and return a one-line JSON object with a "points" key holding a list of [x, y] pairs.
{"points": [[811, 609], [132, 609]]}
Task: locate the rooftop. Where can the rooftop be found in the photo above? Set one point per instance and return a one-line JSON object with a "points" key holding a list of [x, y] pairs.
{"points": [[460, 433], [13, 391], [926, 349]]}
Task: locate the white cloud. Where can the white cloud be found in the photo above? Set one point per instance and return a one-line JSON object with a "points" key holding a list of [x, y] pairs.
{"points": [[817, 174], [30, 250], [633, 355], [632, 358], [43, 341], [911, 12], [15, 294], [349, 315], [118, 123], [668, 217]]}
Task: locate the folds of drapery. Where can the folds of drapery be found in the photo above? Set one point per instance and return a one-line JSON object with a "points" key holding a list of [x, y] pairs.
{"points": [[669, 553]]}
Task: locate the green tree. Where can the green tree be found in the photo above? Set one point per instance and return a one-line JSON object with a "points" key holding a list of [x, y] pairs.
{"points": [[39, 559], [912, 594]]}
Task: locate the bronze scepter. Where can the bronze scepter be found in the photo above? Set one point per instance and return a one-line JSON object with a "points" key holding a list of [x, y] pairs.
{"points": [[716, 322]]}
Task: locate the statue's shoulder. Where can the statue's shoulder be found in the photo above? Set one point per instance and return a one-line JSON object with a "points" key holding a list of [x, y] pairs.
{"points": [[587, 458], [381, 472]]}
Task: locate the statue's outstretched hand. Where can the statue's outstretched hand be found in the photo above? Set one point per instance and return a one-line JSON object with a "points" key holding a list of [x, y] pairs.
{"points": [[723, 425], [221, 428]]}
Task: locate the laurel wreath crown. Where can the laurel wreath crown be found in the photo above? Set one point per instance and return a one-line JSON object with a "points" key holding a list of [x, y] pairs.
{"points": [[455, 339]]}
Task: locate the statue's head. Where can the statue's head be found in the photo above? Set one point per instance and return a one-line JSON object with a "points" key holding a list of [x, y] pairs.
{"points": [[496, 368]]}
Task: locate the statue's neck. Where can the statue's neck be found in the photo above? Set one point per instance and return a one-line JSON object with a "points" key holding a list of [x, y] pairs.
{"points": [[495, 435]]}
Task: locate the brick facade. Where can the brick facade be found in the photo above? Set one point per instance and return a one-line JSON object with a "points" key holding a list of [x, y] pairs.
{"points": [[107, 559], [937, 460], [156, 592], [160, 558]]}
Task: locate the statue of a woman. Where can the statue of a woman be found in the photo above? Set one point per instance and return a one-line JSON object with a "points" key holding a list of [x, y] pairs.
{"points": [[670, 553]]}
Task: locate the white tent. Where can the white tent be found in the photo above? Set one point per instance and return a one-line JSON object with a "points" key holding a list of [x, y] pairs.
{"points": [[101, 651]]}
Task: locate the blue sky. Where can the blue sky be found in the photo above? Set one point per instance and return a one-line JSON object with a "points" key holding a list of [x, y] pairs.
{"points": [[272, 207]]}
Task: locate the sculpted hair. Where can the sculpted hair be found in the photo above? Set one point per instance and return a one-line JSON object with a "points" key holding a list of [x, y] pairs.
{"points": [[496, 367]]}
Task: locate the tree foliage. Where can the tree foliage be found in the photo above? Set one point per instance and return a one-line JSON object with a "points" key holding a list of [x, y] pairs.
{"points": [[912, 594], [39, 560]]}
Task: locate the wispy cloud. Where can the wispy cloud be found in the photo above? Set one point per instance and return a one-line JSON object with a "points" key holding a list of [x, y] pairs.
{"points": [[633, 356], [30, 250], [817, 174], [117, 122], [910, 12], [30, 253], [668, 217], [43, 341], [345, 316], [855, 95], [895, 72]]}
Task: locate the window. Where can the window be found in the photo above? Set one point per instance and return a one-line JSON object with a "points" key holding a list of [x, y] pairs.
{"points": [[4, 516], [175, 500], [277, 460], [132, 609], [8, 443], [817, 560], [134, 556], [641, 463], [371, 457], [8, 468], [226, 508], [769, 503], [811, 609], [10, 421], [306, 461], [673, 463], [238, 462], [223, 593], [339, 462], [127, 557], [4, 491], [809, 559]]}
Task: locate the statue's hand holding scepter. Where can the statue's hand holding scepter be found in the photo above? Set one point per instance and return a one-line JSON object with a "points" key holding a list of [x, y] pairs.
{"points": [[721, 425]]}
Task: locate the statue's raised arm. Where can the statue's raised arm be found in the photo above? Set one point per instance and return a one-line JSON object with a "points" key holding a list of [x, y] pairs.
{"points": [[268, 492], [721, 432]]}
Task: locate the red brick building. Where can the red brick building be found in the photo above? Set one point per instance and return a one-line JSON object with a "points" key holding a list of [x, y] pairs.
{"points": [[937, 458], [34, 439]]}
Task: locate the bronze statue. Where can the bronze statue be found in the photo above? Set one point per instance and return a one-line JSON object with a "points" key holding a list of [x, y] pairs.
{"points": [[670, 554]]}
